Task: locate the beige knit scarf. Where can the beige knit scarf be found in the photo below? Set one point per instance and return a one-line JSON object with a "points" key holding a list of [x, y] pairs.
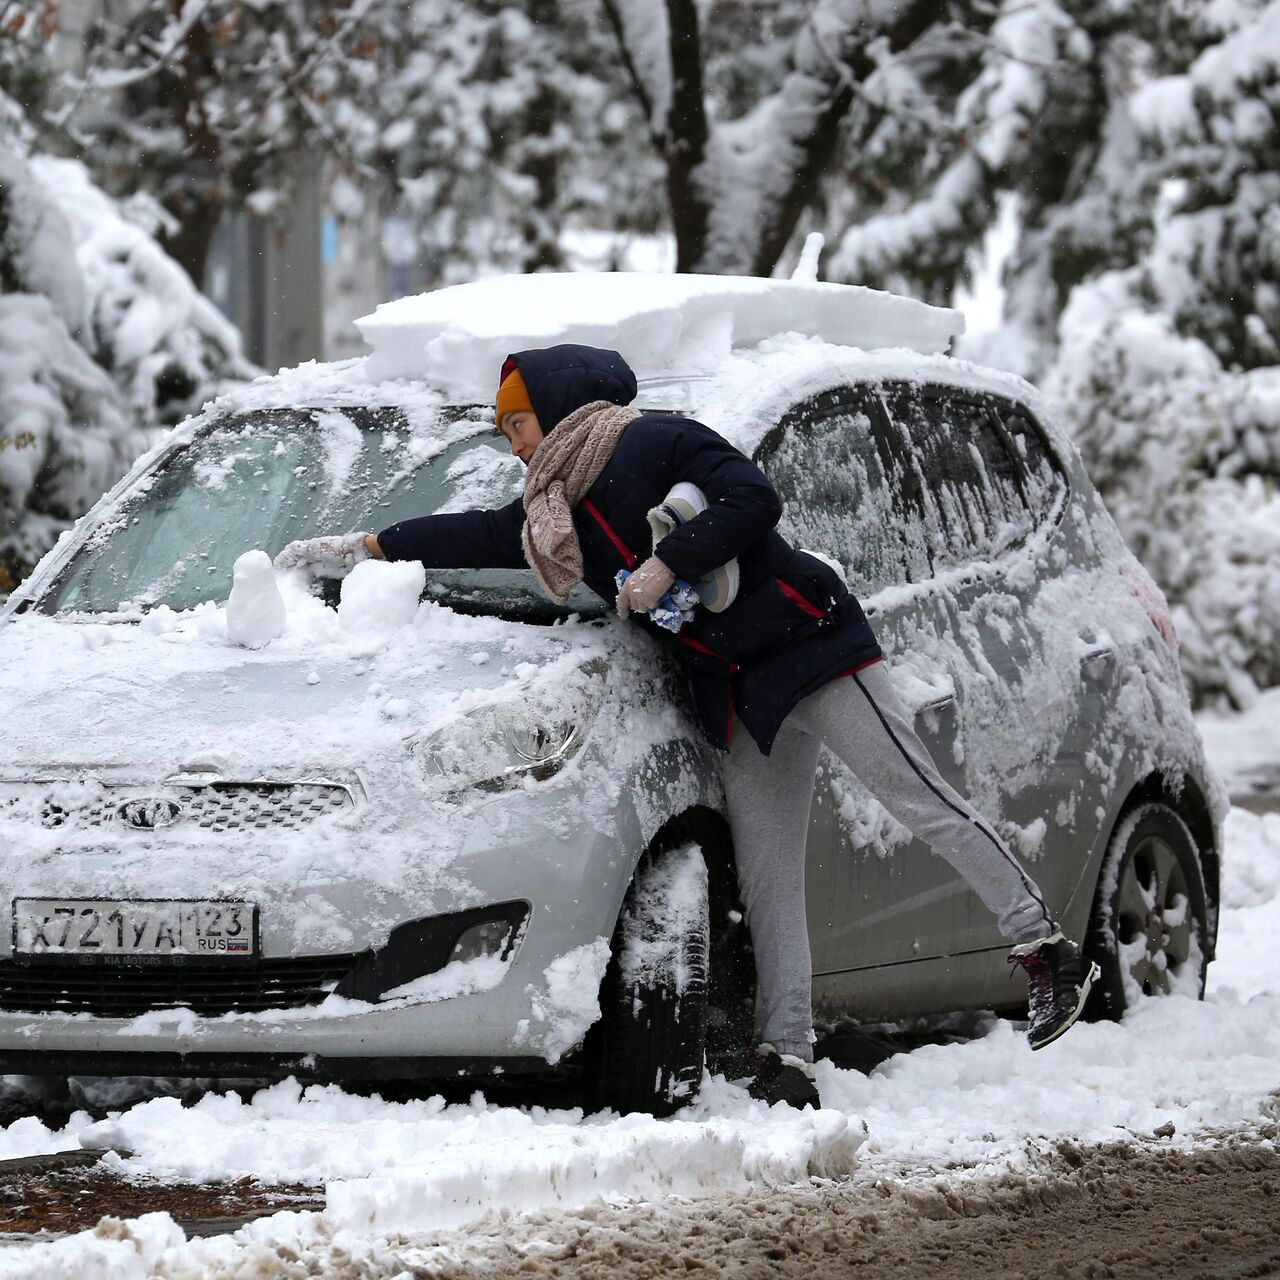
{"points": [[564, 466]]}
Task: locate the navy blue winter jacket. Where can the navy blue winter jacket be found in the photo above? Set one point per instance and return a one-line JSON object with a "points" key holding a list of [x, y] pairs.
{"points": [[794, 625]]}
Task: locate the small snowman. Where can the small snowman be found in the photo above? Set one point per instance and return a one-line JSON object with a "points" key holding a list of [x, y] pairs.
{"points": [[255, 608]]}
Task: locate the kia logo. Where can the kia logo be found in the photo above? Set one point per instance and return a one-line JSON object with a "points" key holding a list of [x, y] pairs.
{"points": [[149, 813]]}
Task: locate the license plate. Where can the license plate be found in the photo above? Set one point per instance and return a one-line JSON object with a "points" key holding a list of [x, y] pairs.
{"points": [[86, 927]]}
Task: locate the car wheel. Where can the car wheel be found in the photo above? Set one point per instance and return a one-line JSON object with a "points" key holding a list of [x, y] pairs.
{"points": [[677, 993], [1150, 918]]}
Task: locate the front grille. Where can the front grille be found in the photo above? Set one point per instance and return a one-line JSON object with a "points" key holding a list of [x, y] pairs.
{"points": [[208, 990], [218, 806]]}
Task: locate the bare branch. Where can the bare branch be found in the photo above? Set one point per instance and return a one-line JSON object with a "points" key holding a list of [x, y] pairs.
{"points": [[107, 81], [930, 119], [614, 15]]}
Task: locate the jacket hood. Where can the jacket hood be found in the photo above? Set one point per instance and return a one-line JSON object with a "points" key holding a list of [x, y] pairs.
{"points": [[564, 378]]}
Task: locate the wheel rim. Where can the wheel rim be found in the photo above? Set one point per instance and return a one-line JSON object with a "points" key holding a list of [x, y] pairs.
{"points": [[1153, 917]]}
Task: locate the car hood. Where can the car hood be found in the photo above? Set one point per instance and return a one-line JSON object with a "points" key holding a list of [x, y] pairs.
{"points": [[174, 694]]}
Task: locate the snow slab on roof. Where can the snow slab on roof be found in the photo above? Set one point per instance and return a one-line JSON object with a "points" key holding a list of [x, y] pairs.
{"points": [[458, 337]]}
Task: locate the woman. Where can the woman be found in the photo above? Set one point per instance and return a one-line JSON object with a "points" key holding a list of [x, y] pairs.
{"points": [[791, 662]]}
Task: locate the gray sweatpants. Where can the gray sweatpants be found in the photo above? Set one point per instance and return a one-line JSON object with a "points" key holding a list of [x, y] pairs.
{"points": [[863, 722]]}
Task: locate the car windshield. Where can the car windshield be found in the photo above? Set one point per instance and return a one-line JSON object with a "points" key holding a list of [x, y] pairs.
{"points": [[262, 479]]}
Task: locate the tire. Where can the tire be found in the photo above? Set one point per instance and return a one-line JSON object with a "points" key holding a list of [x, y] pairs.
{"points": [[1150, 918], [667, 1007]]}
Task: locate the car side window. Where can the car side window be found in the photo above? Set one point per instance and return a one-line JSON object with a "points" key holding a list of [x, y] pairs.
{"points": [[1045, 481], [824, 460], [963, 483]]}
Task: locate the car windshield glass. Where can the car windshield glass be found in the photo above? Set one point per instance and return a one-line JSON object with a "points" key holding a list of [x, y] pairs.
{"points": [[262, 479]]}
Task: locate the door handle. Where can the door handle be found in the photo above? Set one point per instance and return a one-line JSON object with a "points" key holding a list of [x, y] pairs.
{"points": [[1098, 657], [938, 704]]}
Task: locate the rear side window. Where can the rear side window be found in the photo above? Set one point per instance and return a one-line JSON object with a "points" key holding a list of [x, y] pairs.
{"points": [[898, 482], [972, 476]]}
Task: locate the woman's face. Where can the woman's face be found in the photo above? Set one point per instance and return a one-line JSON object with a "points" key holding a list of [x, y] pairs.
{"points": [[522, 432]]}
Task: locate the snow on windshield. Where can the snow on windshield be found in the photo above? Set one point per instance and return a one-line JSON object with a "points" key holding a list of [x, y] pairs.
{"points": [[483, 478], [341, 444], [261, 480]]}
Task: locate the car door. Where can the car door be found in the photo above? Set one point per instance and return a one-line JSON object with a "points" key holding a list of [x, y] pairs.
{"points": [[925, 502], [990, 494]]}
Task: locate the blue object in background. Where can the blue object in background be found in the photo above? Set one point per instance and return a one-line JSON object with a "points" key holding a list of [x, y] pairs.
{"points": [[329, 240]]}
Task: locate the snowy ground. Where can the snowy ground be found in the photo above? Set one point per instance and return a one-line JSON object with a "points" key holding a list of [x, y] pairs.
{"points": [[402, 1177]]}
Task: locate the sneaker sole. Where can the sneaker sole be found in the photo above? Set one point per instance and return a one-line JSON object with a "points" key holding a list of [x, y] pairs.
{"points": [[1089, 979]]}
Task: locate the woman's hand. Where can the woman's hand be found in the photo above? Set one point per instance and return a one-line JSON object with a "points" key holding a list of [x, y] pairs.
{"points": [[645, 587], [333, 556]]}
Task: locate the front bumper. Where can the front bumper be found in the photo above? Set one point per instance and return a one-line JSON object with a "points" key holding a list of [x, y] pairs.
{"points": [[507, 1021], [572, 881]]}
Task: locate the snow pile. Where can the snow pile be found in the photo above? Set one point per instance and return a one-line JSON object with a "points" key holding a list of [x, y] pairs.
{"points": [[567, 1165], [115, 1250], [458, 337], [402, 1166], [379, 597]]}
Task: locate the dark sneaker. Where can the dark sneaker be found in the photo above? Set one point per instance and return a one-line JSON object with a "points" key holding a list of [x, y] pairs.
{"points": [[782, 1077], [1058, 982]]}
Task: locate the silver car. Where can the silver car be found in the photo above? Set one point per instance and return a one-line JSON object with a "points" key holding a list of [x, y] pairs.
{"points": [[481, 834]]}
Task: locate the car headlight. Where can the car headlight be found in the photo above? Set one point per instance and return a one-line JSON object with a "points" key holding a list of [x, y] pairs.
{"points": [[498, 747]]}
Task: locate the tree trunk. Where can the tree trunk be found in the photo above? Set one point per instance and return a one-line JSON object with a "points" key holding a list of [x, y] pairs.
{"points": [[681, 137], [189, 245], [685, 134], [540, 226]]}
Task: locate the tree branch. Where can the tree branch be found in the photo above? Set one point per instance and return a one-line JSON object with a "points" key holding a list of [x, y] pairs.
{"points": [[614, 15], [817, 149]]}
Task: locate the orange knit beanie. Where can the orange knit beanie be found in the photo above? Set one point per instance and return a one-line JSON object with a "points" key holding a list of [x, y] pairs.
{"points": [[513, 395]]}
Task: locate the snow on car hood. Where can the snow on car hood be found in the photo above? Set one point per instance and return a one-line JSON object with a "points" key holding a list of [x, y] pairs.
{"points": [[93, 706], [173, 692]]}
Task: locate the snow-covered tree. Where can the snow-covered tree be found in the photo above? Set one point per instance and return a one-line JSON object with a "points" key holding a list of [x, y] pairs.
{"points": [[1186, 454], [63, 431], [217, 103], [103, 339], [749, 104], [26, 29], [167, 347], [1166, 367], [1213, 139], [499, 127]]}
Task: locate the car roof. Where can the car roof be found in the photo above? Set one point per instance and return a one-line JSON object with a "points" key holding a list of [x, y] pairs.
{"points": [[458, 337], [444, 348]]}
